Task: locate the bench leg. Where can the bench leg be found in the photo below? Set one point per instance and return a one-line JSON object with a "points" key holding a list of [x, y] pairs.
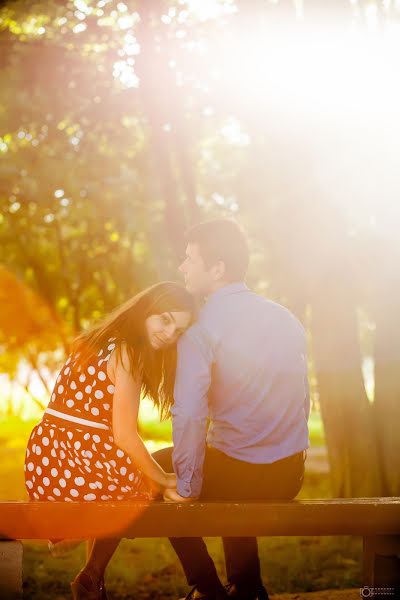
{"points": [[10, 570], [382, 565]]}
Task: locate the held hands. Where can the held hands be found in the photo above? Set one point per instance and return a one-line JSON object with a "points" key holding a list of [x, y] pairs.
{"points": [[166, 486], [170, 494], [156, 487]]}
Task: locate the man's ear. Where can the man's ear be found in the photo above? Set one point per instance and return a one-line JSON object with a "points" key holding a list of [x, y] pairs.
{"points": [[218, 270]]}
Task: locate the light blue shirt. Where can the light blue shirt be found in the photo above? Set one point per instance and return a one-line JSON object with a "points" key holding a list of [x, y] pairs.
{"points": [[242, 369]]}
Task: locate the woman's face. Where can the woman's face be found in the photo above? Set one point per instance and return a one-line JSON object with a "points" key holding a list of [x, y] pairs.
{"points": [[164, 329]]}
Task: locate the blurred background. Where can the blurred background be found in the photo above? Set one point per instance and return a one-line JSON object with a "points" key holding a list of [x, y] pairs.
{"points": [[122, 123]]}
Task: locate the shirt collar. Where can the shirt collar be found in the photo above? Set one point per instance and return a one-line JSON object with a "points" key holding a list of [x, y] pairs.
{"points": [[231, 288]]}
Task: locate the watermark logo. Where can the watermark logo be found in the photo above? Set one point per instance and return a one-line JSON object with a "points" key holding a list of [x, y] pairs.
{"points": [[370, 592]]}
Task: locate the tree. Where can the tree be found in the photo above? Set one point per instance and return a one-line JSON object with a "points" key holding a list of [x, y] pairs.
{"points": [[126, 123]]}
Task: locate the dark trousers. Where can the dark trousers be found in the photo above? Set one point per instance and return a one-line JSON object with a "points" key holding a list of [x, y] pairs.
{"points": [[227, 478]]}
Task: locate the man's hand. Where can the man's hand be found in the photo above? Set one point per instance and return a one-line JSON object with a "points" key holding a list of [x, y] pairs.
{"points": [[171, 495]]}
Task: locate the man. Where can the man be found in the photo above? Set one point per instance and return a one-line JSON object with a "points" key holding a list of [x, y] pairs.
{"points": [[242, 367]]}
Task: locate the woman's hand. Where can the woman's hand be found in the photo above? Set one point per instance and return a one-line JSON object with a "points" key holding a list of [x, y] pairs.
{"points": [[170, 480], [164, 482]]}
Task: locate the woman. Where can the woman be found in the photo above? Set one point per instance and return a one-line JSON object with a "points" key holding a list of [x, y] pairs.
{"points": [[87, 446]]}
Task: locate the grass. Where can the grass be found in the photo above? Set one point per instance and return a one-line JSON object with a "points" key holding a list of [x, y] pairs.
{"points": [[148, 568]]}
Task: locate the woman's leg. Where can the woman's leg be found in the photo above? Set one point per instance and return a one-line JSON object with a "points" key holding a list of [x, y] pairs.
{"points": [[89, 546], [100, 552], [100, 555]]}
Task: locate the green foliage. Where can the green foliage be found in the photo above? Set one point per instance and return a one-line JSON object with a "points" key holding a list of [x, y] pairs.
{"points": [[83, 220]]}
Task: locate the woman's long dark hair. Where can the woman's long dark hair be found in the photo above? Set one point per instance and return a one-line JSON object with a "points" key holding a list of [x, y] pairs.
{"points": [[127, 324]]}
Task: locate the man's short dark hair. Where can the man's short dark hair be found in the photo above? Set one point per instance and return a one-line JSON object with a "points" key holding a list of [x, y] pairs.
{"points": [[222, 239]]}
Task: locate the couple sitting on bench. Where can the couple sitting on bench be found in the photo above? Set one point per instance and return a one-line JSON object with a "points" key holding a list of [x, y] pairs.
{"points": [[233, 377]]}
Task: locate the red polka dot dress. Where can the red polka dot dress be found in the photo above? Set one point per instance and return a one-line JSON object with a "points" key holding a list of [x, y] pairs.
{"points": [[71, 454]]}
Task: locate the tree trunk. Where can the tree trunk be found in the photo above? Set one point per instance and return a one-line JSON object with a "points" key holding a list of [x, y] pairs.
{"points": [[171, 175], [345, 409], [387, 370]]}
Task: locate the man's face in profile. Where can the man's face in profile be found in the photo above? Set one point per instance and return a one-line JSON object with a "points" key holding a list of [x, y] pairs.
{"points": [[198, 279]]}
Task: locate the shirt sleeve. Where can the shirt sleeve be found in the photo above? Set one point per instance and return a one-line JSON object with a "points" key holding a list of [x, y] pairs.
{"points": [[190, 410]]}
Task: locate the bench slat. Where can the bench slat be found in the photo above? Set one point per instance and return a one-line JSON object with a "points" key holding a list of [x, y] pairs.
{"points": [[43, 520]]}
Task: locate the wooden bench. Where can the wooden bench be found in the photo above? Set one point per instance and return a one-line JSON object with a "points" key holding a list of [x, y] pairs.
{"points": [[377, 520]]}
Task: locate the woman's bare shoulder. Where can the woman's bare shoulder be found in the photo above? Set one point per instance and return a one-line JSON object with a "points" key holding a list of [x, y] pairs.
{"points": [[121, 357]]}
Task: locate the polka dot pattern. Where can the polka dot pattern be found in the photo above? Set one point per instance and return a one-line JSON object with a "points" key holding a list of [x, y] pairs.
{"points": [[69, 462]]}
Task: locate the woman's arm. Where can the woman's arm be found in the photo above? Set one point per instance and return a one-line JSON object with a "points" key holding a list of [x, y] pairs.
{"points": [[124, 420]]}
